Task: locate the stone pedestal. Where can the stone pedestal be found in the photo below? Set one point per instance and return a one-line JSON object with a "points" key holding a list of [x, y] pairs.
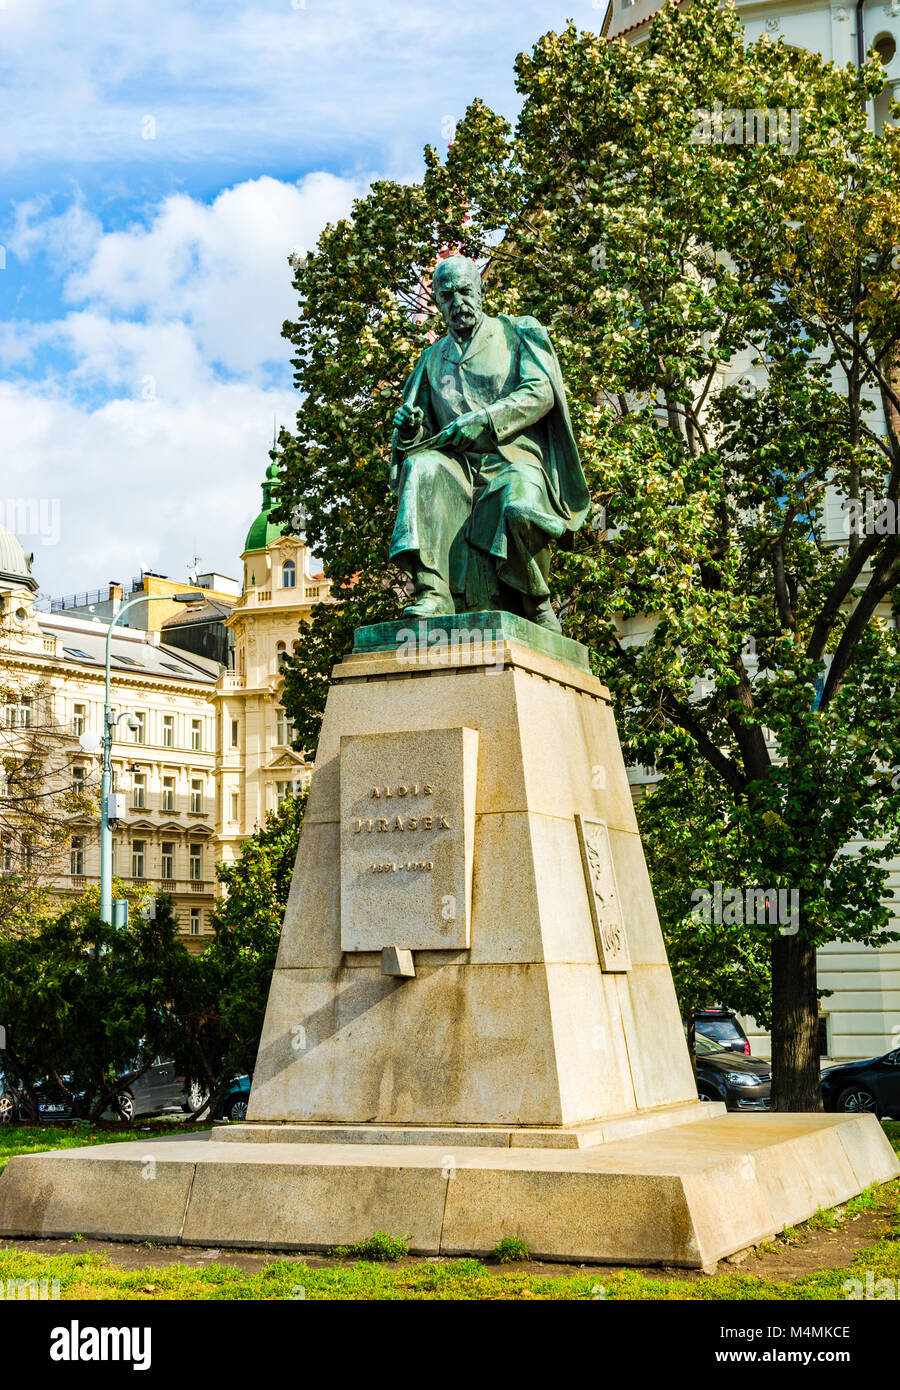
{"points": [[472, 1030], [470, 804]]}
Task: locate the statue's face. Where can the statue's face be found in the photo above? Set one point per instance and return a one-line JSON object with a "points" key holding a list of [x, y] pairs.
{"points": [[457, 293]]}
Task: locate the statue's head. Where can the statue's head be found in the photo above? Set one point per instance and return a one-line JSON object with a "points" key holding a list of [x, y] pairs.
{"points": [[456, 288]]}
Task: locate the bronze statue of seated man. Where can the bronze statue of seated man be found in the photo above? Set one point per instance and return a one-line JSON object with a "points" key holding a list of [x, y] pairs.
{"points": [[483, 460]]}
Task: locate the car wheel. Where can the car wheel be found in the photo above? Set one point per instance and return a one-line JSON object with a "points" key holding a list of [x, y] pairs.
{"points": [[125, 1106], [858, 1100], [237, 1110], [195, 1098], [706, 1095], [8, 1108]]}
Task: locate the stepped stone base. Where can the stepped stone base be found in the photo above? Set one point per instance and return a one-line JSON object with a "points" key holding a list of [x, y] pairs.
{"points": [[472, 1030], [585, 1136], [687, 1195]]}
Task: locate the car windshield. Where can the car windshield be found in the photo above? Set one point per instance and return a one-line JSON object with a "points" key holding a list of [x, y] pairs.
{"points": [[704, 1046], [723, 1029]]}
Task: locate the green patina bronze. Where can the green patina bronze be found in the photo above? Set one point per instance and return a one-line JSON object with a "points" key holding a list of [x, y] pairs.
{"points": [[468, 633], [483, 461]]}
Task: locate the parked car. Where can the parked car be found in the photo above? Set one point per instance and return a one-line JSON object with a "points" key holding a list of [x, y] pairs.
{"points": [[157, 1089], [872, 1086], [744, 1083], [53, 1102], [234, 1106], [721, 1026]]}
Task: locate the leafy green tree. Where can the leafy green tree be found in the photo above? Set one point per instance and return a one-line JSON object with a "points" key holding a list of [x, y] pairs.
{"points": [[220, 1002], [763, 684], [84, 1002]]}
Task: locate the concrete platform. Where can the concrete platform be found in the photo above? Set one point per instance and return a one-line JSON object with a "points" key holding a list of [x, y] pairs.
{"points": [[687, 1195]]}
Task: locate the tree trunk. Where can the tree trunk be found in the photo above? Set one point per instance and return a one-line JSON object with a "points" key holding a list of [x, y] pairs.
{"points": [[795, 1026]]}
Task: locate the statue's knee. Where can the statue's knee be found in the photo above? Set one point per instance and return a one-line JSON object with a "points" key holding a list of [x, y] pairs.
{"points": [[427, 465]]}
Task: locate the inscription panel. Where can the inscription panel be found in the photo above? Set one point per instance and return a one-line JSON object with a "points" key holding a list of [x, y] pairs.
{"points": [[407, 839], [603, 895]]}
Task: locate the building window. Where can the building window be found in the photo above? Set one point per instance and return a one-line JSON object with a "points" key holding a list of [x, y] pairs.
{"points": [[235, 805], [288, 574], [196, 921], [27, 854], [79, 719], [168, 793], [168, 731], [6, 854], [76, 856], [196, 735], [196, 863], [79, 775], [168, 859], [234, 733], [139, 791], [196, 796], [140, 732], [284, 727], [18, 712], [138, 853], [284, 791]]}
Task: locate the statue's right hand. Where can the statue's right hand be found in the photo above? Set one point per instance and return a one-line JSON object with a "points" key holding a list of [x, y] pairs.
{"points": [[408, 421]]}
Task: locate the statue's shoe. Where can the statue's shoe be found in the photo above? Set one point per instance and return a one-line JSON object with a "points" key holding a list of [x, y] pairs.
{"points": [[431, 607], [544, 616]]}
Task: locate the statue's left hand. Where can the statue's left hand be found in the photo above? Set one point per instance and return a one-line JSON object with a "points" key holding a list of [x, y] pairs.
{"points": [[408, 421], [466, 429]]}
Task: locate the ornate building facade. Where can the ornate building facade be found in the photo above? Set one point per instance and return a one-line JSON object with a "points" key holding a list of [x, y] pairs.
{"points": [[255, 764], [163, 767], [210, 755]]}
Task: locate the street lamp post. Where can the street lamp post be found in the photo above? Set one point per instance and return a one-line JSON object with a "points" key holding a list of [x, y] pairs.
{"points": [[109, 723]]}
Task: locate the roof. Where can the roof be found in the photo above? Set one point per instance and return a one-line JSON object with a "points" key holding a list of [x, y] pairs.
{"points": [[264, 530], [14, 563], [84, 644], [212, 611], [650, 13]]}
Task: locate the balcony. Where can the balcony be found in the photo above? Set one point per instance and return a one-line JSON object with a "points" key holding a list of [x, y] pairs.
{"points": [[78, 882]]}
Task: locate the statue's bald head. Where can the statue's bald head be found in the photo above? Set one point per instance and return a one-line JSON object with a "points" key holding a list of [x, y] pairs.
{"points": [[456, 286]]}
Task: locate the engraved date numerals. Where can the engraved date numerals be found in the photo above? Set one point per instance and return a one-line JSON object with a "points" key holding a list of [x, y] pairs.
{"points": [[411, 866]]}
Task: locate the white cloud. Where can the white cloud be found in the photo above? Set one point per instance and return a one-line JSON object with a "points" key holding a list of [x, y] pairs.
{"points": [[176, 329], [140, 482], [218, 270], [67, 238], [251, 77]]}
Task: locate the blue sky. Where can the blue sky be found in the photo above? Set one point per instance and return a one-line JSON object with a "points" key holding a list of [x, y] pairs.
{"points": [[159, 161]]}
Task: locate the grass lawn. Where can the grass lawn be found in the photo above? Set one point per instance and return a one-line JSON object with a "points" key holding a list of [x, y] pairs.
{"points": [[93, 1274]]}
